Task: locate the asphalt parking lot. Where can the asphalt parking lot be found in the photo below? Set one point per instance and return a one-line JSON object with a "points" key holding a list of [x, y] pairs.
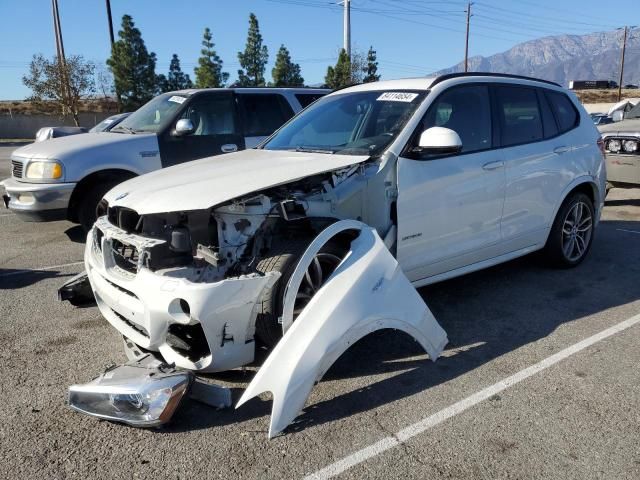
{"points": [[383, 410]]}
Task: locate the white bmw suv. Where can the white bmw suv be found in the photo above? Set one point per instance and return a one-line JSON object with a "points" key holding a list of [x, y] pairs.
{"points": [[318, 236]]}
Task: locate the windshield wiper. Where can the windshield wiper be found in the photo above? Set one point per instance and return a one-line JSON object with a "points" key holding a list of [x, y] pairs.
{"points": [[124, 129], [300, 148]]}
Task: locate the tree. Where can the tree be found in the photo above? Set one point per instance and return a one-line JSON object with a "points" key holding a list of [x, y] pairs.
{"points": [[340, 75], [371, 68], [133, 67], [176, 79], [254, 58], [285, 73], [209, 73], [62, 84]]}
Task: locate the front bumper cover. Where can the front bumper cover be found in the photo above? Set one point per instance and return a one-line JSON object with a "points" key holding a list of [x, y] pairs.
{"points": [[38, 201], [144, 305]]}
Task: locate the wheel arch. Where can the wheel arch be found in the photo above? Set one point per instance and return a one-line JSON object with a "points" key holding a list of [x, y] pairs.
{"points": [[91, 179], [586, 185]]}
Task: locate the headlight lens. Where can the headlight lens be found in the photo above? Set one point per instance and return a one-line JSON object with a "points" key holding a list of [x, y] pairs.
{"points": [[630, 146], [614, 146], [44, 171]]}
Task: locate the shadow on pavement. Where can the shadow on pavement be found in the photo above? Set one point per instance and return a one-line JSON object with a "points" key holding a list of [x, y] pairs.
{"points": [[20, 278], [494, 312], [76, 234]]}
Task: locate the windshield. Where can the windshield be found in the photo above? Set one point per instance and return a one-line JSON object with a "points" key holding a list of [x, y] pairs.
{"points": [[152, 116], [107, 123], [360, 123]]}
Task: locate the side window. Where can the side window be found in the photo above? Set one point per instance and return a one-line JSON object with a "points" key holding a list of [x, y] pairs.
{"points": [[548, 121], [467, 111], [519, 115], [307, 99], [564, 110], [211, 114], [263, 113]]}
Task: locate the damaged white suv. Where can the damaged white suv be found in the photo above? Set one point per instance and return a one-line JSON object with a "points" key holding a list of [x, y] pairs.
{"points": [[323, 231]]}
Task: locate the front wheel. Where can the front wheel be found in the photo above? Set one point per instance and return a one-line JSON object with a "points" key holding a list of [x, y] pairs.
{"points": [[572, 232], [283, 258], [89, 202]]}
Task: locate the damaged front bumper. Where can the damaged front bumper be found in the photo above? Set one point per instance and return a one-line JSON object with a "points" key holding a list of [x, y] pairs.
{"points": [[196, 325]]}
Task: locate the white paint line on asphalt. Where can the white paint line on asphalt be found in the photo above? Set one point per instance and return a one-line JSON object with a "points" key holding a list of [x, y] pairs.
{"points": [[628, 231], [423, 425], [39, 269]]}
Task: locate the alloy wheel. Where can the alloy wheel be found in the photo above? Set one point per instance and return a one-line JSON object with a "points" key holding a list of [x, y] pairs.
{"points": [[576, 231]]}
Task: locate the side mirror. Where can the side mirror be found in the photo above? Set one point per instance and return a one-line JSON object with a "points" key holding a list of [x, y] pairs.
{"points": [[183, 127], [617, 116], [439, 140]]}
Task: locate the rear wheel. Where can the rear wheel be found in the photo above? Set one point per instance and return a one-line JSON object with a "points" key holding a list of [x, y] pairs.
{"points": [[284, 258], [572, 232]]}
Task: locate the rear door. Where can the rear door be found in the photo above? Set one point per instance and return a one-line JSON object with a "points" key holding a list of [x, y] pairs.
{"points": [[450, 206], [262, 114], [536, 152], [216, 124]]}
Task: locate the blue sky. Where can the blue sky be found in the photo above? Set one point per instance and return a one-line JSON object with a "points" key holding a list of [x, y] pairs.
{"points": [[412, 37]]}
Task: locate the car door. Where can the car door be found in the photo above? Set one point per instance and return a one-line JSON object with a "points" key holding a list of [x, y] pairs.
{"points": [[262, 114], [535, 155], [216, 129], [449, 207]]}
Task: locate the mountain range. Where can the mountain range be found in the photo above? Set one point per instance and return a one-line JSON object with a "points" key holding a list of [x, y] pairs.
{"points": [[561, 58]]}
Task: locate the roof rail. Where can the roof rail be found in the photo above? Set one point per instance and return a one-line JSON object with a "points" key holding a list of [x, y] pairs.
{"points": [[448, 76]]}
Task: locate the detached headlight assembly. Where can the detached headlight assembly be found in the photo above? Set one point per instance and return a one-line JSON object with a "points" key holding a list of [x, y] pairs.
{"points": [[37, 170], [136, 394]]}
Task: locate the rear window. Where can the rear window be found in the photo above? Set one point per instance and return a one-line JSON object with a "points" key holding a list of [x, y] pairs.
{"points": [[307, 99], [263, 113], [564, 111], [520, 116]]}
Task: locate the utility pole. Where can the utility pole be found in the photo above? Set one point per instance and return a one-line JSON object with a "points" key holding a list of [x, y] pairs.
{"points": [[466, 43], [347, 27], [110, 22], [62, 64], [624, 47]]}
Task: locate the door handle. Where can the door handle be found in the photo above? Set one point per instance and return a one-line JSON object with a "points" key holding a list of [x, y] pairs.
{"points": [[229, 147], [560, 150], [493, 165]]}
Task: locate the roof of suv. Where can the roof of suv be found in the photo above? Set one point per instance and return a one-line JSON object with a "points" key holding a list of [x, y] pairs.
{"points": [[191, 91], [425, 83]]}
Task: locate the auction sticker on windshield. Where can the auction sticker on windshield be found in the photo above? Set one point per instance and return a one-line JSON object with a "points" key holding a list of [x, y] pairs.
{"points": [[397, 97], [177, 99]]}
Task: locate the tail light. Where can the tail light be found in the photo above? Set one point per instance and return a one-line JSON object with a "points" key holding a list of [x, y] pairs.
{"points": [[601, 146]]}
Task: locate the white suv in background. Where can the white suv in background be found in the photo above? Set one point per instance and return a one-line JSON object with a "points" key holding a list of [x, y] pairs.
{"points": [[320, 233]]}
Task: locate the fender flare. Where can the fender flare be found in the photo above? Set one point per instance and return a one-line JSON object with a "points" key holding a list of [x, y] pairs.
{"points": [[367, 292]]}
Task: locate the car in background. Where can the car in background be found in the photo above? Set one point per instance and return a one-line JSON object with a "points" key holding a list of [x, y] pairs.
{"points": [[108, 123], [601, 119], [46, 133], [622, 146], [64, 178]]}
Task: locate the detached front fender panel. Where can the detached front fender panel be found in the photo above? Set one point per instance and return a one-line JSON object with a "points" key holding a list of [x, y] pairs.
{"points": [[367, 292]]}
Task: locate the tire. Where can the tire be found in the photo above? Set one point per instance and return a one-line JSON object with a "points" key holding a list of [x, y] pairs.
{"points": [[283, 258], [560, 250], [89, 202]]}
